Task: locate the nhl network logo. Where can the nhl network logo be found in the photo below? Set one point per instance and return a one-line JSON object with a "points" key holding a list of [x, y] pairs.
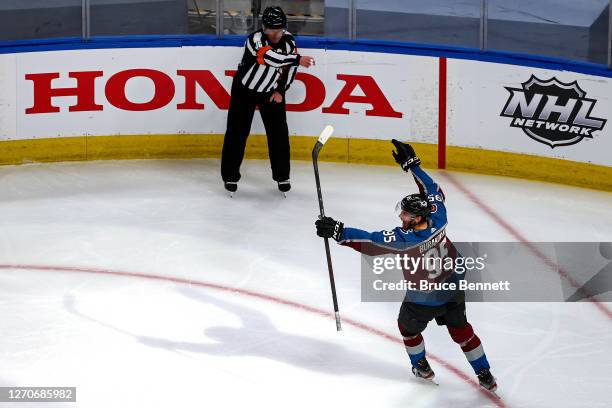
{"points": [[552, 112]]}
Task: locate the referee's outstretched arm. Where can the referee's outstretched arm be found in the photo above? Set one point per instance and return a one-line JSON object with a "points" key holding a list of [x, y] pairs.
{"points": [[266, 55]]}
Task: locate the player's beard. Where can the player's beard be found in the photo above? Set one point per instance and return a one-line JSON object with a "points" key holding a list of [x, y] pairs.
{"points": [[406, 225]]}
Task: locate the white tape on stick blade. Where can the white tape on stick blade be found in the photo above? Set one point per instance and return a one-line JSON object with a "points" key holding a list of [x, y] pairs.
{"points": [[326, 133]]}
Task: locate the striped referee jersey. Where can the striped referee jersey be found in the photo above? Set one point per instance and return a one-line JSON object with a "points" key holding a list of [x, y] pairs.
{"points": [[267, 67]]}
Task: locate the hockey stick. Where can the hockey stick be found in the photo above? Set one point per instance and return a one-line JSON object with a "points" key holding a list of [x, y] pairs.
{"points": [[325, 134]]}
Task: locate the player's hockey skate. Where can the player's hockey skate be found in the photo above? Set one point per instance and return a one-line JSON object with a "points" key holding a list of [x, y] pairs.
{"points": [[284, 187], [424, 371], [487, 381], [231, 187]]}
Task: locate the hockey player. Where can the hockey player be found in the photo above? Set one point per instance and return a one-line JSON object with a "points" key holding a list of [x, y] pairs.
{"points": [[267, 69], [423, 217]]}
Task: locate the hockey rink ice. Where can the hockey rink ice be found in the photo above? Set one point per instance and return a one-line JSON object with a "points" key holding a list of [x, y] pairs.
{"points": [[143, 284]]}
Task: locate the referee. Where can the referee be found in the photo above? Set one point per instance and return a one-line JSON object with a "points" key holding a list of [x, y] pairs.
{"points": [[267, 69]]}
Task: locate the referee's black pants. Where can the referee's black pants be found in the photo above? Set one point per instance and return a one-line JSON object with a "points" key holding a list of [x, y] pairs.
{"points": [[239, 119]]}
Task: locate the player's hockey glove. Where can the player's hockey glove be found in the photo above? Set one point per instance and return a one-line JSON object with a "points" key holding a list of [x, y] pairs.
{"points": [[405, 155], [327, 227]]}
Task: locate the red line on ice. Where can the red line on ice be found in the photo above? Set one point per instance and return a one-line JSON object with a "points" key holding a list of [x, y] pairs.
{"points": [[516, 234], [262, 296]]}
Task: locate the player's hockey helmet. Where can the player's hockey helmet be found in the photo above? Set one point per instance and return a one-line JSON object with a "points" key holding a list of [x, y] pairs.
{"points": [[274, 18], [414, 204]]}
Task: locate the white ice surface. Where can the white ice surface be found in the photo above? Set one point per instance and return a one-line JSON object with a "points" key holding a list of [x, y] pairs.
{"points": [[132, 342]]}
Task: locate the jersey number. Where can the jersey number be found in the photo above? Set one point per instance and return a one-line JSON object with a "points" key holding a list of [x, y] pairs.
{"points": [[434, 259], [389, 236]]}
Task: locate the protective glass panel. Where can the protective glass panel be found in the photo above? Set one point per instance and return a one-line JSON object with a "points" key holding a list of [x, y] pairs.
{"points": [[337, 18], [576, 30], [138, 17], [202, 16], [449, 22], [25, 20], [304, 17]]}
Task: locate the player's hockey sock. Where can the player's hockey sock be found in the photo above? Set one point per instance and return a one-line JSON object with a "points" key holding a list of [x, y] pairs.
{"points": [[415, 345], [471, 346]]}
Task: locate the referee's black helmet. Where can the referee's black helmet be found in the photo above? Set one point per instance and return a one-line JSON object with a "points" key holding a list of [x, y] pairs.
{"points": [[274, 17]]}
